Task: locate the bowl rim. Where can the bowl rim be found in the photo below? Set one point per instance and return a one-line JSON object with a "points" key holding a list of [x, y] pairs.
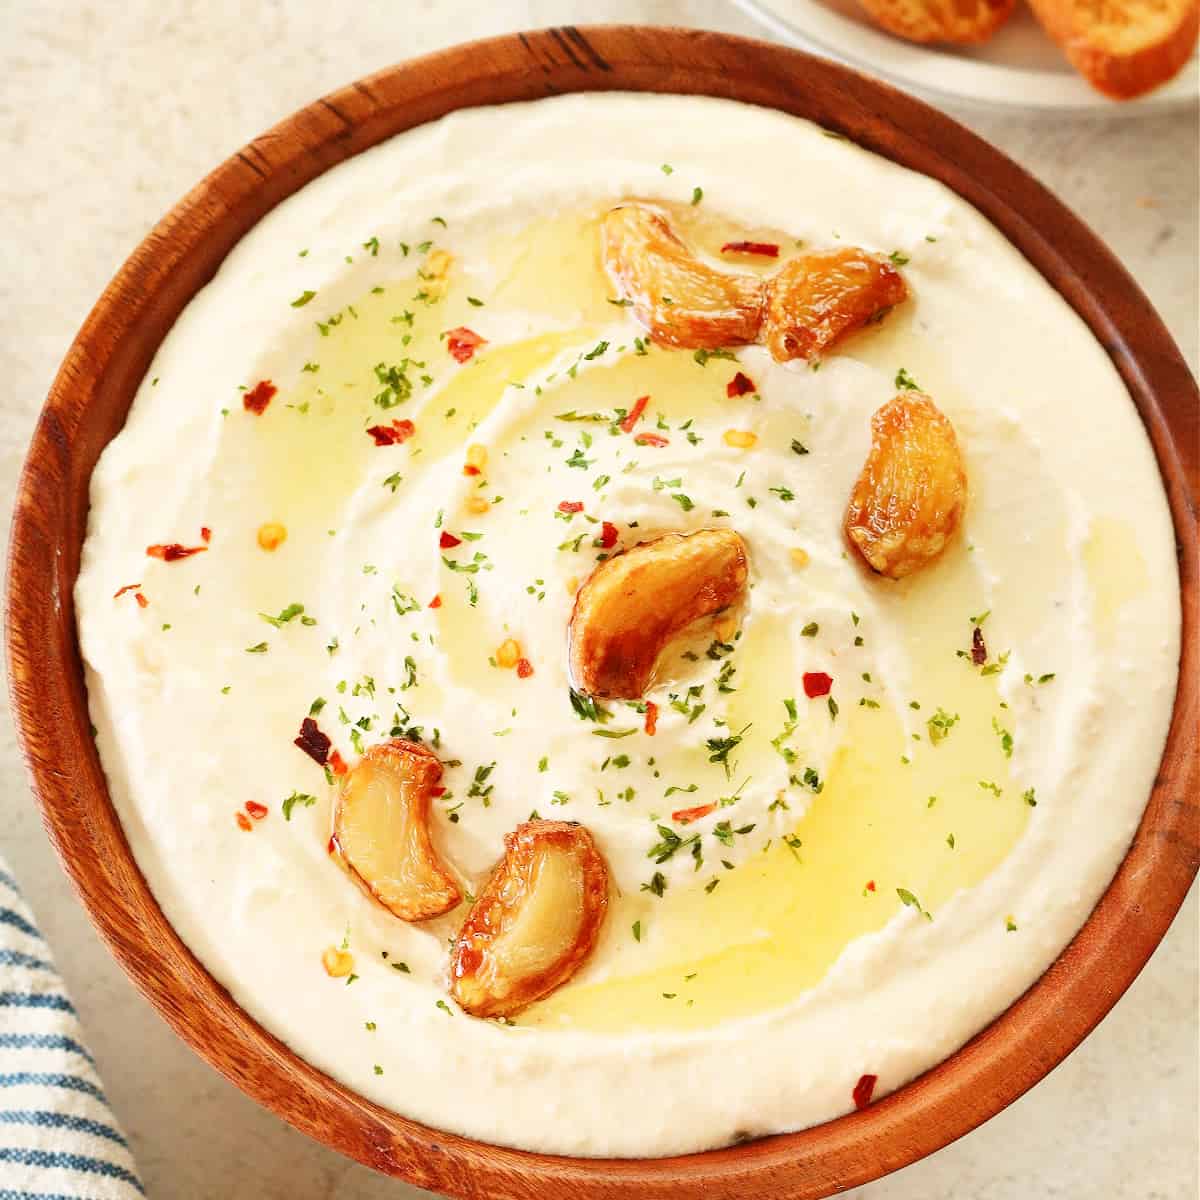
{"points": [[87, 404]]}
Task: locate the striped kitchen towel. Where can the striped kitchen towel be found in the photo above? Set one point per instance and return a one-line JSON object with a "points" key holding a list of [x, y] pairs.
{"points": [[59, 1139]]}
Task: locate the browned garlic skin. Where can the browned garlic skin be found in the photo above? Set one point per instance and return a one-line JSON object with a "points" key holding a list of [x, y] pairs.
{"points": [[636, 603], [381, 830], [816, 300], [680, 299], [535, 921], [910, 496]]}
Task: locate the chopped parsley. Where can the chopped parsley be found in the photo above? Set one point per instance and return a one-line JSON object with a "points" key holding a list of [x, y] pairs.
{"points": [[940, 724], [586, 708], [719, 748], [301, 798], [670, 844], [702, 356], [910, 901], [290, 613]]}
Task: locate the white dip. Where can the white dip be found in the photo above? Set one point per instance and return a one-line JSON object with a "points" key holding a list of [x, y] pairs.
{"points": [[746, 1008]]}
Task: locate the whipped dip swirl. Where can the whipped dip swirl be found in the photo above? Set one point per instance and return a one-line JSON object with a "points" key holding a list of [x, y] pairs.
{"points": [[436, 304]]}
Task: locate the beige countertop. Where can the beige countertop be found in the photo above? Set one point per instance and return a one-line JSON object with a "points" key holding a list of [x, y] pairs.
{"points": [[108, 113]]}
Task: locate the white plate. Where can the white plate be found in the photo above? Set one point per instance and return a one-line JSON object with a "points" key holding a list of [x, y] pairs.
{"points": [[1019, 68]]}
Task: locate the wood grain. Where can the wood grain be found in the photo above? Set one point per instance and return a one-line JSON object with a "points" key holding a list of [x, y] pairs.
{"points": [[87, 406]]}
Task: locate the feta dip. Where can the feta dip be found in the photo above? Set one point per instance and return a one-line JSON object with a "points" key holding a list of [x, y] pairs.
{"points": [[354, 503]]}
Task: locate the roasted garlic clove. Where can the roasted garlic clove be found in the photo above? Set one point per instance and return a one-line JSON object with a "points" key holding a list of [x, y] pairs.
{"points": [[535, 921], [633, 605], [681, 300], [815, 300], [909, 498], [381, 829]]}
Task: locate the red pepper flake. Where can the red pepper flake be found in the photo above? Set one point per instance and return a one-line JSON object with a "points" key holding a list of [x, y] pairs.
{"points": [[651, 439], [978, 647], [651, 717], [259, 396], [395, 434], [739, 385], [817, 683], [256, 810], [468, 469], [331, 847], [608, 535], [205, 534], [631, 419], [436, 602], [142, 601], [463, 342], [524, 668], [243, 822], [173, 551], [447, 541], [337, 764], [570, 506], [863, 1090], [437, 791], [870, 885], [764, 249], [685, 816], [129, 587], [313, 742]]}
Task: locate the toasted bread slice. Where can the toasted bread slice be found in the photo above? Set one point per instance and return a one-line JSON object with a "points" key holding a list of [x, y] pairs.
{"points": [[962, 21], [1122, 47]]}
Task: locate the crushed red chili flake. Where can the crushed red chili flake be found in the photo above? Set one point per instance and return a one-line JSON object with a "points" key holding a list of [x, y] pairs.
{"points": [[258, 397], [524, 668], [978, 647], [739, 385], [685, 816], [468, 469], [173, 551], [243, 822], [651, 717], [337, 764], [570, 506], [651, 439], [447, 541], [764, 249], [870, 885], [463, 342], [142, 601], [256, 810], [436, 602], [631, 418], [205, 534], [863, 1090], [395, 434], [129, 587], [608, 535], [817, 683], [437, 791], [331, 846], [313, 742]]}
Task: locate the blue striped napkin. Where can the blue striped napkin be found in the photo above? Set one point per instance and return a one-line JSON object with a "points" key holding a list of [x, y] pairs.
{"points": [[59, 1140]]}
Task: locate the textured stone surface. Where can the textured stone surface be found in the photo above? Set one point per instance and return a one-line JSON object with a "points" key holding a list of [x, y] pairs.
{"points": [[108, 113]]}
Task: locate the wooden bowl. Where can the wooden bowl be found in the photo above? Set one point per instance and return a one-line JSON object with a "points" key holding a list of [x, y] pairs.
{"points": [[87, 406]]}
